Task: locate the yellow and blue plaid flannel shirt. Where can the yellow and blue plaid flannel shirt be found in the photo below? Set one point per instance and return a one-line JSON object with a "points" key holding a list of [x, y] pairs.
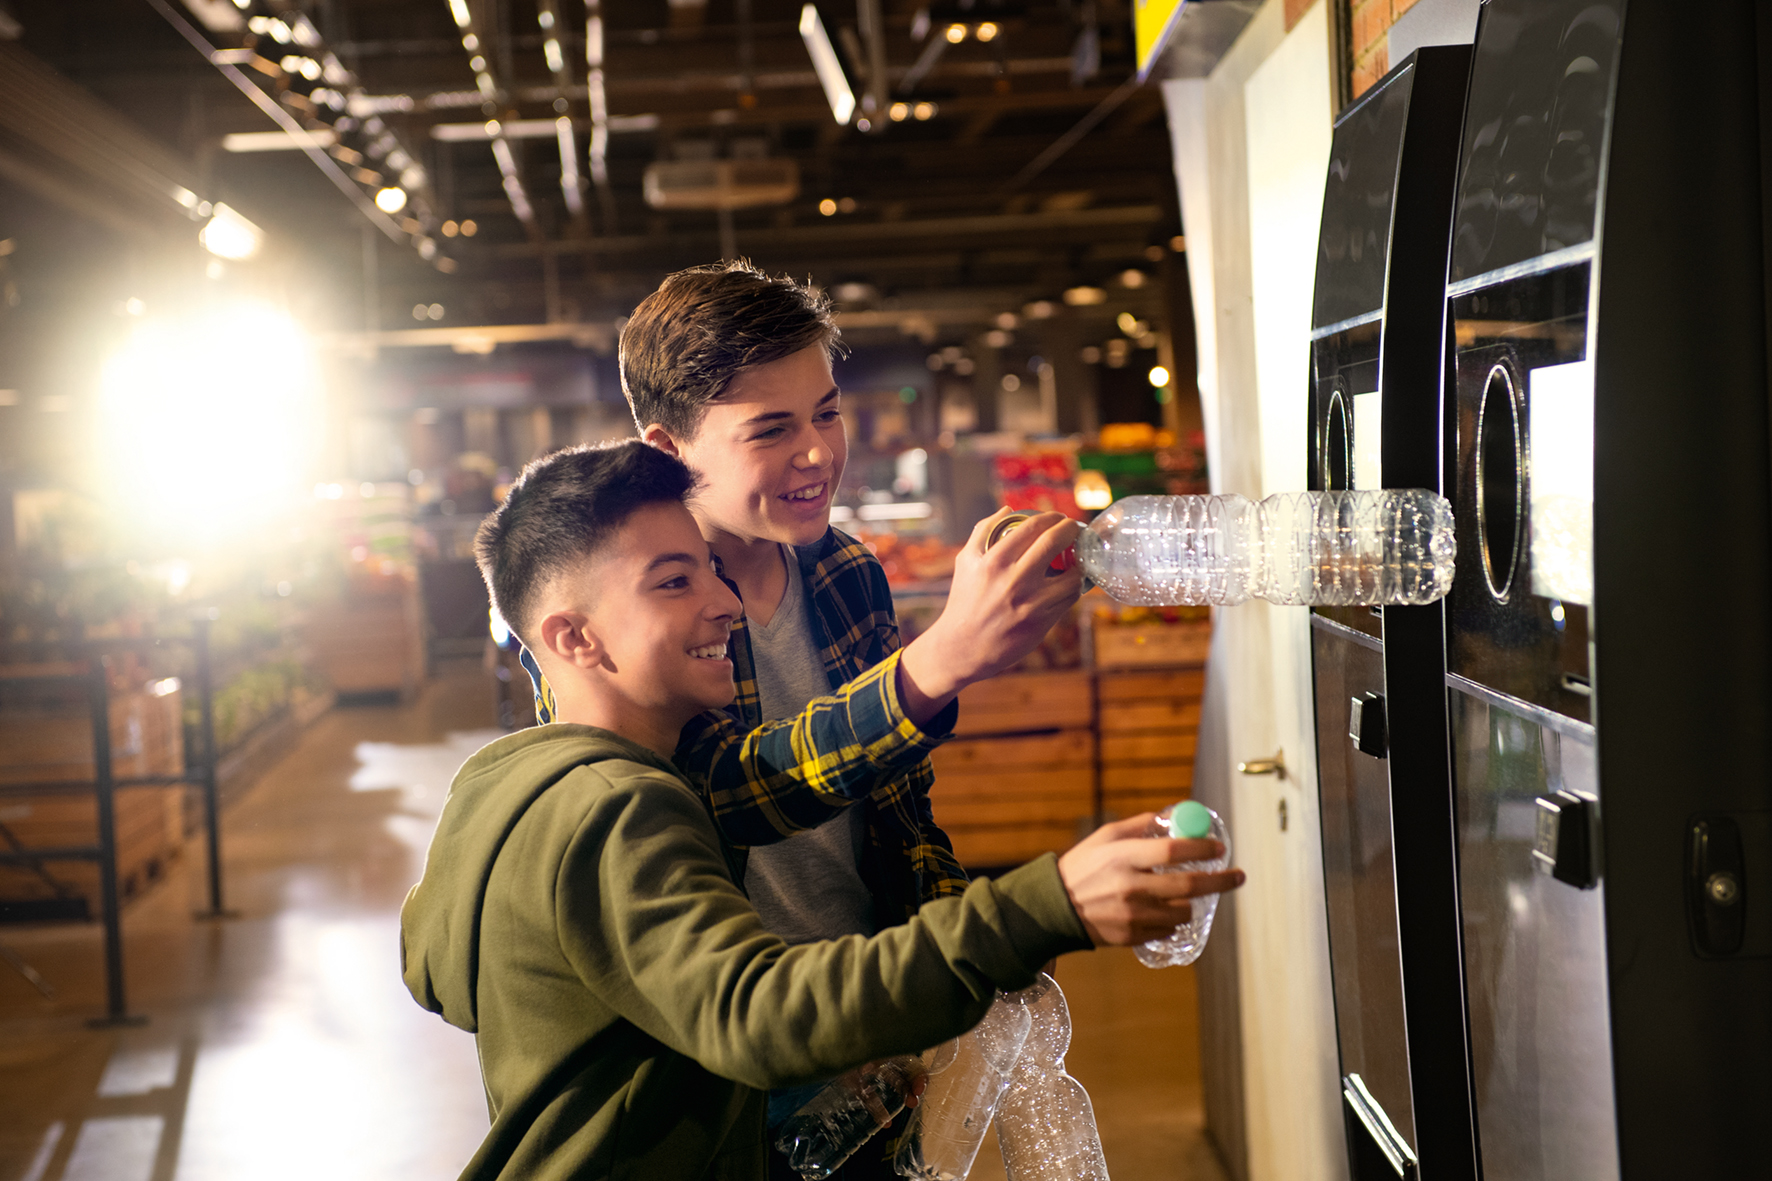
{"points": [[766, 781]]}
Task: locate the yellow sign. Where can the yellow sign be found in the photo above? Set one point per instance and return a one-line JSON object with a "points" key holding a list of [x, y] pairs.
{"points": [[1152, 22]]}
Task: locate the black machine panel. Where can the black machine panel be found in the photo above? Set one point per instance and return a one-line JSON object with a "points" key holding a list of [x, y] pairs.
{"points": [[1376, 358], [1612, 705], [1540, 84]]}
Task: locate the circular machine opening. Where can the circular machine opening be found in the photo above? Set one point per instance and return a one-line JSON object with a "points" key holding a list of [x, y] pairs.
{"points": [[1337, 456], [1500, 482]]}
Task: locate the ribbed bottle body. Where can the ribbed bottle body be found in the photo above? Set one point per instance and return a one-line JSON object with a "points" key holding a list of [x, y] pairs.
{"points": [[1390, 547]]}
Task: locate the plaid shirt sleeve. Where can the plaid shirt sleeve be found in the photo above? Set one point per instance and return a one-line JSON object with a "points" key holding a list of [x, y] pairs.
{"points": [[782, 777]]}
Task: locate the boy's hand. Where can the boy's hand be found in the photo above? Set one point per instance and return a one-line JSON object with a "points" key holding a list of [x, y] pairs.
{"points": [[1112, 880], [1003, 602]]}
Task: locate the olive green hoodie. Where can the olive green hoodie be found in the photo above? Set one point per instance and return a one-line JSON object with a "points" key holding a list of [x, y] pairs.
{"points": [[578, 915]]}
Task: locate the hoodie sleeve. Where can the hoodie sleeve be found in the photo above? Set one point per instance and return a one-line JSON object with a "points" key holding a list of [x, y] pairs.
{"points": [[796, 773], [652, 923]]}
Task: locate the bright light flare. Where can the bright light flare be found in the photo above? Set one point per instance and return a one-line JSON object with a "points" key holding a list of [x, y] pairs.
{"points": [[391, 199], [1159, 376], [230, 235], [209, 423]]}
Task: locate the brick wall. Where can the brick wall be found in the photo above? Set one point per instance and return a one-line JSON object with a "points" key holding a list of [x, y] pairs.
{"points": [[1370, 21]]}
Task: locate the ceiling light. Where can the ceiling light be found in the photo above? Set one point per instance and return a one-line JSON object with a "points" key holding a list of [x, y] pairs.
{"points": [[469, 227], [1133, 279], [545, 18], [391, 199], [1128, 323], [829, 67], [476, 63], [450, 229], [229, 235], [1040, 309], [827, 207], [470, 43], [987, 31], [551, 50], [1082, 297], [846, 205], [899, 112], [1178, 243], [459, 10], [1008, 320], [955, 34], [421, 311], [1159, 376], [924, 111]]}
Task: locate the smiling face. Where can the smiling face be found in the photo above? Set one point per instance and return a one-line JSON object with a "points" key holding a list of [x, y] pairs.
{"points": [[770, 451], [660, 619]]}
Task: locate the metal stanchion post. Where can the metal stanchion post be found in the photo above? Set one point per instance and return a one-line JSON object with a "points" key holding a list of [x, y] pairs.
{"points": [[98, 696], [211, 789]]}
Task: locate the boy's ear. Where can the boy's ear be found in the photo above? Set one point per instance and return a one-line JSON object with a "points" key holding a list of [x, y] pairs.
{"points": [[656, 436], [567, 635]]}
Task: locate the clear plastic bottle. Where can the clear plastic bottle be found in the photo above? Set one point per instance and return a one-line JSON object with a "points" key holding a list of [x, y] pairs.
{"points": [[845, 1115], [948, 1125], [1046, 1124], [1193, 820], [1381, 547]]}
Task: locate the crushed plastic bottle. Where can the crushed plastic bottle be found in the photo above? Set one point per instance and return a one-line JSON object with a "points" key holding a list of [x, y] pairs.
{"points": [[1380, 547], [1046, 1124], [1193, 820], [948, 1126], [845, 1115]]}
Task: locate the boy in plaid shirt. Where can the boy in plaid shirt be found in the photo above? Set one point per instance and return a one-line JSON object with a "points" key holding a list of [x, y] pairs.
{"points": [[730, 370]]}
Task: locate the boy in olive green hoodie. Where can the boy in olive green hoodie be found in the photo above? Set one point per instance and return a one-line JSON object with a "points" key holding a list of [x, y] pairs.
{"points": [[578, 911]]}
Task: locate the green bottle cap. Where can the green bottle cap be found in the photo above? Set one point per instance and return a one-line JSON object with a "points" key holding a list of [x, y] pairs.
{"points": [[1190, 819]]}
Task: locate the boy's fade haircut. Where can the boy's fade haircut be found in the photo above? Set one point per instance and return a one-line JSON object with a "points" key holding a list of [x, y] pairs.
{"points": [[562, 509], [686, 341]]}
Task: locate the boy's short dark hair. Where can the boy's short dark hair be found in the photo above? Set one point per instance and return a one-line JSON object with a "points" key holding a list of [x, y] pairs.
{"points": [[562, 509], [686, 341]]}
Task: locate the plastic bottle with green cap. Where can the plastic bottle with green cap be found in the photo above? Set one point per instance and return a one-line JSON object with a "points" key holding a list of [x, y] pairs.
{"points": [[1192, 820]]}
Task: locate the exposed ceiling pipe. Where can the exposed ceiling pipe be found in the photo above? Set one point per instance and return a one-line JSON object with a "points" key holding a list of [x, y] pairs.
{"points": [[599, 100], [312, 145], [478, 47], [571, 182]]}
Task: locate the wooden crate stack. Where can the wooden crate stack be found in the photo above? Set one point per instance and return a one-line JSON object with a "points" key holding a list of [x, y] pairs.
{"points": [[1020, 779], [370, 643], [1150, 724], [55, 745]]}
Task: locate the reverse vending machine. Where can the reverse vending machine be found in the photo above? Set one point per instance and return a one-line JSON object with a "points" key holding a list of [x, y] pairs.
{"points": [[1609, 632], [1375, 412]]}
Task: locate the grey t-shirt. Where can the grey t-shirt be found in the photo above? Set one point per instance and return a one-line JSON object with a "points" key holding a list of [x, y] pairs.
{"points": [[807, 887]]}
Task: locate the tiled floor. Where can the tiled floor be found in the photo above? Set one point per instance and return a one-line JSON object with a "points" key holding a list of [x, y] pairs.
{"points": [[281, 1042]]}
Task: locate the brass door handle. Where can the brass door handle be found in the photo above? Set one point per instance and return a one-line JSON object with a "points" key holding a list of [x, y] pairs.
{"points": [[1275, 766]]}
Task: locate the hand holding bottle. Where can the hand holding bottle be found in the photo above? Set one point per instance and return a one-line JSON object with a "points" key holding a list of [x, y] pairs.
{"points": [[1119, 883]]}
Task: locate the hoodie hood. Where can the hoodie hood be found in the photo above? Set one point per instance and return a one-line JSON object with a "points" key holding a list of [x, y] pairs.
{"points": [[440, 921]]}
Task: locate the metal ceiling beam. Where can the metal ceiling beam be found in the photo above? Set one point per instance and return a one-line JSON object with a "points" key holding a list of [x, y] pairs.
{"points": [[973, 229]]}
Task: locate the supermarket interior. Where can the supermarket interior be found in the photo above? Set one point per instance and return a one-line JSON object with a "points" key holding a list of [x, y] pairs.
{"points": [[292, 292]]}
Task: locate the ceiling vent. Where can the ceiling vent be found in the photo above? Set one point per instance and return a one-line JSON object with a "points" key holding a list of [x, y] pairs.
{"points": [[721, 184]]}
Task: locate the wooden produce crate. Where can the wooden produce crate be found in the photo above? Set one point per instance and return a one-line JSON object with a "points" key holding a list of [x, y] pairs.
{"points": [[54, 744], [370, 643], [1017, 703], [1149, 725], [1009, 798], [1151, 645]]}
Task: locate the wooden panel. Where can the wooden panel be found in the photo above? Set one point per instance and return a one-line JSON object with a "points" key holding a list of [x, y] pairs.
{"points": [[1144, 644], [369, 644], [1067, 783], [1010, 846], [147, 738], [1067, 748], [1034, 812], [1026, 701], [1146, 748], [1130, 686], [1147, 776], [149, 825], [1130, 803], [1151, 715]]}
